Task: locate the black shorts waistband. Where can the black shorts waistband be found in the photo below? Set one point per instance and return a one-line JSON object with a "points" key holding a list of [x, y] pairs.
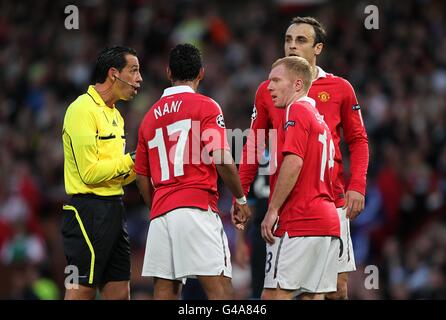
{"points": [[95, 196]]}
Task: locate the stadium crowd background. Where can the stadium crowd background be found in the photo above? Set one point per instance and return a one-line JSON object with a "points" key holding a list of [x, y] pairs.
{"points": [[398, 71]]}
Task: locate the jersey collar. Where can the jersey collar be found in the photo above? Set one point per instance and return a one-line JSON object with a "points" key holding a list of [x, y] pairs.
{"points": [[307, 99], [95, 96], [304, 98], [320, 73], [177, 89]]}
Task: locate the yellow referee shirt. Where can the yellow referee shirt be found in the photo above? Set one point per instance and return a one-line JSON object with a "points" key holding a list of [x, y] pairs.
{"points": [[94, 148]]}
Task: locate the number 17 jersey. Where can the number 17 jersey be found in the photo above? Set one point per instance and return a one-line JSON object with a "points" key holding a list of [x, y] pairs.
{"points": [[176, 140]]}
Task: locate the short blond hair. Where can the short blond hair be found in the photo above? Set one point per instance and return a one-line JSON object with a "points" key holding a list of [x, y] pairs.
{"points": [[299, 67]]}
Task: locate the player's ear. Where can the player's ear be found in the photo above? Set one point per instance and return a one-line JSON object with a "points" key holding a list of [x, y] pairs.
{"points": [[298, 85], [201, 74], [169, 74], [318, 48]]}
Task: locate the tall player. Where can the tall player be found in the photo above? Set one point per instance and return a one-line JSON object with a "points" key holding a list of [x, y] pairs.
{"points": [[302, 250], [181, 147], [337, 103]]}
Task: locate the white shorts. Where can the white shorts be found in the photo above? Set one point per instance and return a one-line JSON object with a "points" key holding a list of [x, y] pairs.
{"points": [[302, 264], [346, 256], [186, 243]]}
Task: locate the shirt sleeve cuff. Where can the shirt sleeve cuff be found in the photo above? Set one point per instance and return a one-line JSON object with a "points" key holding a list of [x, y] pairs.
{"points": [[357, 186]]}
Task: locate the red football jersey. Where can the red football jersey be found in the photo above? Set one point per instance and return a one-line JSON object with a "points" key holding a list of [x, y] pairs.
{"points": [[309, 209], [336, 101], [175, 141]]}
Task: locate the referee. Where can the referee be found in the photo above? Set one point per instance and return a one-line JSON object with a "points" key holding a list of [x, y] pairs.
{"points": [[96, 168]]}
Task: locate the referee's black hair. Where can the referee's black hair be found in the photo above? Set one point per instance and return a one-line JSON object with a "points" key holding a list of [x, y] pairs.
{"points": [[184, 62], [113, 57]]}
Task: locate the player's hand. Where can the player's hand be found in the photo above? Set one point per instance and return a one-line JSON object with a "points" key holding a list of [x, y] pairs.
{"points": [[236, 220], [240, 215], [268, 224], [354, 202]]}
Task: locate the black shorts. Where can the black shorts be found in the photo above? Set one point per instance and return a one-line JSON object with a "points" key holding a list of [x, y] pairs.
{"points": [[95, 239]]}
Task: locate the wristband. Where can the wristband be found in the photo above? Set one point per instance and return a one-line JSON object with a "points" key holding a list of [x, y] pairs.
{"points": [[241, 200]]}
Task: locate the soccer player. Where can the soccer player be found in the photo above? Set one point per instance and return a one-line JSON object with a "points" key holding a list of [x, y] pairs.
{"points": [[181, 147], [302, 250], [336, 101], [96, 168]]}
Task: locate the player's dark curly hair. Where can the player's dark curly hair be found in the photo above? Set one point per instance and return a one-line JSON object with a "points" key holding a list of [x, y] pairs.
{"points": [[319, 31], [113, 57], [184, 62]]}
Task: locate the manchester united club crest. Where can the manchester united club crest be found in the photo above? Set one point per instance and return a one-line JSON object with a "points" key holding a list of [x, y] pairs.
{"points": [[324, 96]]}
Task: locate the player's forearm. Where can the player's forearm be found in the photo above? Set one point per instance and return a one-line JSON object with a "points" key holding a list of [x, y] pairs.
{"points": [[253, 151], [288, 175], [145, 189], [228, 172], [247, 173], [355, 136], [249, 162], [359, 158]]}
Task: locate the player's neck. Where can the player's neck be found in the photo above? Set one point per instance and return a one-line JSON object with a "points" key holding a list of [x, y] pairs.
{"points": [[105, 90], [314, 71], [296, 96], [192, 84]]}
